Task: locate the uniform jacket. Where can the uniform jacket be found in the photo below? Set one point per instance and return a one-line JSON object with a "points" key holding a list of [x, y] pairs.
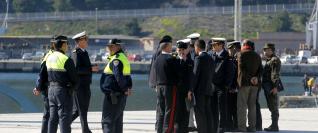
{"points": [[68, 78], [83, 65], [116, 82], [203, 75], [185, 74], [166, 70], [271, 71], [224, 70]]}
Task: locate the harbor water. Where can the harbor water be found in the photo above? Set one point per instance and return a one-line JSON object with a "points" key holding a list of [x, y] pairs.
{"points": [[16, 93]]}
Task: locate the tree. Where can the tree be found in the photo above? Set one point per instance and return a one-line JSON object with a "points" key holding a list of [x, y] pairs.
{"points": [[100, 4], [62, 5], [79, 4], [133, 28], [281, 22], [31, 6]]}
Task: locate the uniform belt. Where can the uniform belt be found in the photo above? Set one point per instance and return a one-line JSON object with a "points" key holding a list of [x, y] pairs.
{"points": [[116, 93], [60, 84], [55, 83]]}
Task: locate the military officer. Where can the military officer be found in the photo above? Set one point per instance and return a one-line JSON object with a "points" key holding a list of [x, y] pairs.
{"points": [[222, 79], [116, 84], [84, 71], [233, 48], [272, 84], [166, 80], [185, 75]]}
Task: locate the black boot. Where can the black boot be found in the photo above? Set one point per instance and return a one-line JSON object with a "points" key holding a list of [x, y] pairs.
{"points": [[272, 128]]}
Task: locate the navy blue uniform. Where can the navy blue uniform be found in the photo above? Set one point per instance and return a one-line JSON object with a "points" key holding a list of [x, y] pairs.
{"points": [[185, 75], [114, 87], [42, 85], [223, 78], [232, 97], [83, 92], [62, 80]]}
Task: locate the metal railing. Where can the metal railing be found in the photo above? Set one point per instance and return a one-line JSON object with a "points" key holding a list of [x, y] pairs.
{"points": [[141, 13]]}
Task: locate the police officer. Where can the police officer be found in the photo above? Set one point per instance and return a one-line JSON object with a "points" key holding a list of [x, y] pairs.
{"points": [[272, 84], [191, 55], [84, 72], [222, 79], [185, 75], [166, 78], [62, 80], [42, 87], [116, 84], [233, 48]]}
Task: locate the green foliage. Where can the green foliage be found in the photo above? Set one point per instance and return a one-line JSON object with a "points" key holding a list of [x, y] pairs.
{"points": [[62, 5], [133, 28], [75, 5], [31, 5], [178, 27], [281, 22]]}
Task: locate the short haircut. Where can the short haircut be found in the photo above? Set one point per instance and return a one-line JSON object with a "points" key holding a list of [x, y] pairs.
{"points": [[164, 45], [200, 43], [60, 40], [249, 43]]}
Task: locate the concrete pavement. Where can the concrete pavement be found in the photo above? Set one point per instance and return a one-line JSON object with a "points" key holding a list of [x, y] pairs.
{"points": [[292, 120]]}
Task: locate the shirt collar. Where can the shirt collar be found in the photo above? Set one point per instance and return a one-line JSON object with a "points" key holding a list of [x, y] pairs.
{"points": [[219, 53], [83, 49], [201, 52], [163, 52]]}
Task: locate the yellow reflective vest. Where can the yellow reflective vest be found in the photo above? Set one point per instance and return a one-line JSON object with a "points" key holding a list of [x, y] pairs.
{"points": [[123, 59], [56, 61]]}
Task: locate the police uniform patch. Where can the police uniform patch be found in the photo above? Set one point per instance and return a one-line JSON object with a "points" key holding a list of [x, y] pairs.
{"points": [[116, 62]]}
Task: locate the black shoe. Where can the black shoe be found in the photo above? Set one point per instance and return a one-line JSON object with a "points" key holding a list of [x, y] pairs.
{"points": [[259, 129], [249, 129], [272, 129], [192, 129], [238, 130]]}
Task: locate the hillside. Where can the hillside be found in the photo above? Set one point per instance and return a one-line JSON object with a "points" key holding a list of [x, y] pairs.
{"points": [[177, 26]]}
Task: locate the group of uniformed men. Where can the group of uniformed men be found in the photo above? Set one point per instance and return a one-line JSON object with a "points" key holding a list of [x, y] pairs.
{"points": [[218, 80], [65, 85]]}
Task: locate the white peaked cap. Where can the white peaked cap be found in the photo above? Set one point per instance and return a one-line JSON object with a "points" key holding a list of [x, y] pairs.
{"points": [[186, 40], [218, 39], [193, 35], [79, 35]]}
